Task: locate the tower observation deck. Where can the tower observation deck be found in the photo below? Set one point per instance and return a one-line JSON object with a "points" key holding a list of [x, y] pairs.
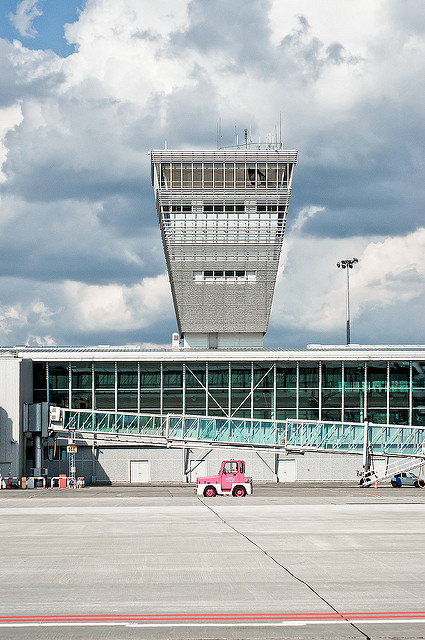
{"points": [[222, 215]]}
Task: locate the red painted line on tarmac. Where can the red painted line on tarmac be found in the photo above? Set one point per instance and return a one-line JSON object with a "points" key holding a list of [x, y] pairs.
{"points": [[179, 617]]}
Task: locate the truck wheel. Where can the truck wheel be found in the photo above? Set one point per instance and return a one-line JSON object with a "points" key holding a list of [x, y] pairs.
{"points": [[210, 492], [239, 492]]}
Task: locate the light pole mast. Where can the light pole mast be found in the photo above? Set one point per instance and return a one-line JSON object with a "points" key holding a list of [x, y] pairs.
{"points": [[347, 264]]}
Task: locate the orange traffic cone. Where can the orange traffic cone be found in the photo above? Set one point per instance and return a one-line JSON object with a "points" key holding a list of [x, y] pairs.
{"points": [[376, 484]]}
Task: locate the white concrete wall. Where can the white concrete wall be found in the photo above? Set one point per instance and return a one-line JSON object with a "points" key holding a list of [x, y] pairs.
{"points": [[10, 413], [112, 464]]}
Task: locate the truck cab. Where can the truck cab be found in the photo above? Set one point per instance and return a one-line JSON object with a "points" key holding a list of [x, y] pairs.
{"points": [[231, 480]]}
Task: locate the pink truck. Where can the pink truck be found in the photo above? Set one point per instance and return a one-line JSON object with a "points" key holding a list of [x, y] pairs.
{"points": [[230, 481]]}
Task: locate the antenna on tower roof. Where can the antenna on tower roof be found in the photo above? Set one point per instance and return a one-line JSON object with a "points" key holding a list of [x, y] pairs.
{"points": [[280, 129]]}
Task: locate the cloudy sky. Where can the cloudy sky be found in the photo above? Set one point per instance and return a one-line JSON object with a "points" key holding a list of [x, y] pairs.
{"points": [[88, 87]]}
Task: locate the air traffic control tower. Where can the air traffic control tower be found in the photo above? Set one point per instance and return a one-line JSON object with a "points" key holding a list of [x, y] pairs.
{"points": [[222, 215]]}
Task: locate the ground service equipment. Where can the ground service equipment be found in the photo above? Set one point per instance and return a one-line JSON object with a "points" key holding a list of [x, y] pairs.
{"points": [[230, 481]]}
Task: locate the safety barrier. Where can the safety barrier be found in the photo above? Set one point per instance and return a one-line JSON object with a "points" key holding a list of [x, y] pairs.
{"points": [[11, 482], [67, 482], [61, 481], [32, 480]]}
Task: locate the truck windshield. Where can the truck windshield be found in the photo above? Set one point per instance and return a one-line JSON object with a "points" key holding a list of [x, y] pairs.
{"points": [[230, 467]]}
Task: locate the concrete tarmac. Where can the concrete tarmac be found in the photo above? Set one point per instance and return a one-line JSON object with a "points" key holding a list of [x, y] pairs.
{"points": [[154, 562]]}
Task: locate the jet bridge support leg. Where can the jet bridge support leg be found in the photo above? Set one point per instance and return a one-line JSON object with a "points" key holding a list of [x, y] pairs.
{"points": [[366, 453], [185, 454]]}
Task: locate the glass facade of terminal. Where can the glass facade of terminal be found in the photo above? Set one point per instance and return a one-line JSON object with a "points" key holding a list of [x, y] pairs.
{"points": [[385, 392]]}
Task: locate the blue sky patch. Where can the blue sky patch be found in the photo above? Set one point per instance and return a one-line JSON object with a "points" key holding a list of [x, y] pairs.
{"points": [[45, 31]]}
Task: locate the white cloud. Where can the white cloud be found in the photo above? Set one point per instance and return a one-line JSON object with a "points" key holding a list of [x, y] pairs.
{"points": [[303, 215], [21, 318], [115, 307], [26, 12], [10, 117], [311, 291]]}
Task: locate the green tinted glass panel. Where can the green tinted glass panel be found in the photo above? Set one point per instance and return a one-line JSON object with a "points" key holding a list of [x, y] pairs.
{"points": [[81, 399], [354, 385], [39, 375], [399, 384], [377, 375], [262, 414], [263, 399], [418, 417], [353, 415], [81, 373], [311, 414], [240, 400], [354, 374], [309, 375], [286, 375], [195, 401], [58, 375], [332, 375], [150, 401], [172, 375], [150, 375], [283, 414], [218, 399], [241, 375], [418, 374], [215, 411], [40, 395], [286, 398], [399, 416], [399, 398], [377, 416], [104, 375], [353, 398], [376, 398], [104, 400], [127, 401], [242, 413], [59, 398], [195, 375], [172, 400], [399, 376], [331, 398], [127, 375], [331, 415], [218, 375], [308, 398], [418, 398], [264, 376]]}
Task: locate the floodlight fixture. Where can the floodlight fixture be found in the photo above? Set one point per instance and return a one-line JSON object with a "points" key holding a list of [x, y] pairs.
{"points": [[347, 264]]}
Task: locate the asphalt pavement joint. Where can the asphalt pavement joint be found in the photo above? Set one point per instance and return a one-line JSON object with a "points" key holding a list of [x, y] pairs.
{"points": [[255, 544]]}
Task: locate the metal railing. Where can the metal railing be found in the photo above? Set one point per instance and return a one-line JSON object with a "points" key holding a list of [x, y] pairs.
{"points": [[302, 435]]}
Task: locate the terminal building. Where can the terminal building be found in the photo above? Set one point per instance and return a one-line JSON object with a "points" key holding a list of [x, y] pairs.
{"points": [[222, 218]]}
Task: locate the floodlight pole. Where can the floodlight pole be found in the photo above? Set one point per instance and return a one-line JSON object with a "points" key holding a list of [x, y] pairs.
{"points": [[347, 264]]}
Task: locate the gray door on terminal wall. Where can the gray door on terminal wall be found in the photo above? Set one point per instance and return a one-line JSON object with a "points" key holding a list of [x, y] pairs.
{"points": [[139, 470], [287, 470], [198, 468]]}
